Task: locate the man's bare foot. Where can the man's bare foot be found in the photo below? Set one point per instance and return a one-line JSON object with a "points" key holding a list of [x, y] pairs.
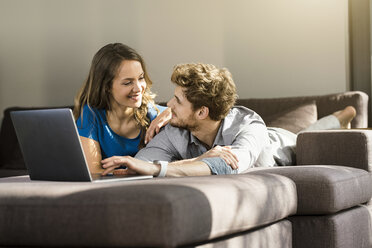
{"points": [[345, 116]]}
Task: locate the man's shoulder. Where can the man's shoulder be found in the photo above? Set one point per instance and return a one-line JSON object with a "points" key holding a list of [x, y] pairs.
{"points": [[241, 114], [176, 132], [169, 144], [172, 135], [241, 110]]}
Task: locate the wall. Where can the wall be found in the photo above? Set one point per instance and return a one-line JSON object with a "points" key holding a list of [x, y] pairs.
{"points": [[272, 47]]}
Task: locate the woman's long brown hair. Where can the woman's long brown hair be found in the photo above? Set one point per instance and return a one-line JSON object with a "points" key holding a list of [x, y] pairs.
{"points": [[95, 92]]}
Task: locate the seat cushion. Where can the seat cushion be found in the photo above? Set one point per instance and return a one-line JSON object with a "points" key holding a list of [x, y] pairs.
{"points": [[326, 189], [163, 212], [276, 235], [349, 228]]}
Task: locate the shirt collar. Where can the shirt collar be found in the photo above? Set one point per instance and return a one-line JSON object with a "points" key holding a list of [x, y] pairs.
{"points": [[218, 141], [194, 140]]}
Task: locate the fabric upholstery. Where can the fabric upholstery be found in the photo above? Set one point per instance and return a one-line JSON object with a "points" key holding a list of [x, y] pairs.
{"points": [[294, 119], [346, 229], [10, 153], [326, 189], [326, 104], [268, 108], [12, 173], [351, 148], [163, 212], [277, 235]]}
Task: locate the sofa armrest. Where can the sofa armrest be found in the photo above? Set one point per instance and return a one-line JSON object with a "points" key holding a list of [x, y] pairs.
{"points": [[351, 148]]}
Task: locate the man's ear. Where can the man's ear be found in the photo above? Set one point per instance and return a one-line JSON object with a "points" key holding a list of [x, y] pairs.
{"points": [[203, 112]]}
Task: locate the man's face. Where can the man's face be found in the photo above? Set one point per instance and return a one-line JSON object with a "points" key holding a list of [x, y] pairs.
{"points": [[182, 114]]}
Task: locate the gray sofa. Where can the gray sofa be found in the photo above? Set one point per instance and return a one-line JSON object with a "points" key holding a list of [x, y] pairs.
{"points": [[323, 201]]}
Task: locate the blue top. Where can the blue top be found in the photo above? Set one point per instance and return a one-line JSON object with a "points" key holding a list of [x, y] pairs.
{"points": [[95, 127]]}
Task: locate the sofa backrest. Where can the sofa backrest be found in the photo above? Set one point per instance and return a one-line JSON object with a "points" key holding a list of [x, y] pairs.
{"points": [[325, 105], [268, 108]]}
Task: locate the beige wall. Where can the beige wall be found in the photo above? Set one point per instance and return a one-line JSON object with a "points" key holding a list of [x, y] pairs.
{"points": [[272, 47]]}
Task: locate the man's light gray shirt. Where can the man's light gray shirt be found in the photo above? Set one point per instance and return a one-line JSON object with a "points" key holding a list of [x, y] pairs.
{"points": [[241, 128]]}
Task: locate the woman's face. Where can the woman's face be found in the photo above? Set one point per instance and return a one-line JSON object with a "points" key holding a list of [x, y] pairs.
{"points": [[128, 85]]}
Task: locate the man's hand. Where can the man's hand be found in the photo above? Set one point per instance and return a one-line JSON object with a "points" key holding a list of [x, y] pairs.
{"points": [[223, 152], [134, 166], [160, 121]]}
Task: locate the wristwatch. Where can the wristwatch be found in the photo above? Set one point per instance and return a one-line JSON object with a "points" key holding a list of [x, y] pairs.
{"points": [[163, 167]]}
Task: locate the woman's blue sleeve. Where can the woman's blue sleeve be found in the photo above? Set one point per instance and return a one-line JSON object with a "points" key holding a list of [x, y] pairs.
{"points": [[152, 113], [87, 123], [161, 108]]}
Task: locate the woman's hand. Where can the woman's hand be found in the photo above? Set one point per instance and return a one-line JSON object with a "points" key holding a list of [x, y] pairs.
{"points": [[223, 152], [160, 121]]}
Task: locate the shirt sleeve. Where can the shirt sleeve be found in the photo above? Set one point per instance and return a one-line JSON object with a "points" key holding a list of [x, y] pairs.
{"points": [[218, 166], [87, 124], [249, 143], [159, 148], [247, 146]]}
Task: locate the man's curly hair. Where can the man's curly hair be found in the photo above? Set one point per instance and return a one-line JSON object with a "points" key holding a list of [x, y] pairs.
{"points": [[206, 85]]}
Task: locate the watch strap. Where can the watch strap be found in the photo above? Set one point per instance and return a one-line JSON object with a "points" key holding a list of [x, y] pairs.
{"points": [[163, 167]]}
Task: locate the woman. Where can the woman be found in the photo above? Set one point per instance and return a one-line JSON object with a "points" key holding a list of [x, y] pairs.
{"points": [[115, 106]]}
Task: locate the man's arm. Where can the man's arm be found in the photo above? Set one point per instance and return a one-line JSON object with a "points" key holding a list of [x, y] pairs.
{"points": [[212, 162], [249, 143], [188, 167], [162, 148], [246, 148]]}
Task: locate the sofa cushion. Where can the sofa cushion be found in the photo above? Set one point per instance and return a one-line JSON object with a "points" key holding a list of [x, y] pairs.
{"points": [[164, 212], [326, 189], [295, 118], [276, 235], [346, 229], [326, 105], [336, 147]]}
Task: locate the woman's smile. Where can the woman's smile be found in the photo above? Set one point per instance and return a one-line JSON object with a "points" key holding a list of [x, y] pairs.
{"points": [[135, 97]]}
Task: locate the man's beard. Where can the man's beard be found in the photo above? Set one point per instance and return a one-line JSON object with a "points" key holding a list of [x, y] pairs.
{"points": [[191, 126]]}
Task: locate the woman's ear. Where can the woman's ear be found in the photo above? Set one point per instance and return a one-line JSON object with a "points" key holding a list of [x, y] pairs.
{"points": [[203, 112]]}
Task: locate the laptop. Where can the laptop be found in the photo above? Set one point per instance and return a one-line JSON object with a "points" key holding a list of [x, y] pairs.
{"points": [[51, 147]]}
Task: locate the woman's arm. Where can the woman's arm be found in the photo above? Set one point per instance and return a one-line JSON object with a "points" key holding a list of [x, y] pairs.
{"points": [[92, 151], [160, 121]]}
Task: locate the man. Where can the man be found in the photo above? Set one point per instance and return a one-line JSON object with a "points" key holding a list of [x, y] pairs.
{"points": [[207, 135]]}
